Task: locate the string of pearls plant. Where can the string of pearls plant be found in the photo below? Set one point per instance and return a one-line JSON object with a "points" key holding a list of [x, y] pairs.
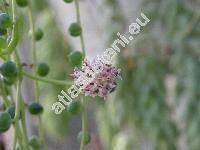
{"points": [[13, 106], [13, 110]]}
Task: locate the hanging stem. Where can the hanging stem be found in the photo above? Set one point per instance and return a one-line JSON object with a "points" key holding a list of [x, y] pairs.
{"points": [[34, 55], [41, 133], [18, 101], [79, 21], [17, 113], [11, 47], [15, 138], [19, 135], [32, 28], [84, 126], [23, 123], [20, 110]]}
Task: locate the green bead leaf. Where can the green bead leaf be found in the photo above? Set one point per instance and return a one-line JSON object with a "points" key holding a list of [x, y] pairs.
{"points": [[75, 29], [5, 21]]}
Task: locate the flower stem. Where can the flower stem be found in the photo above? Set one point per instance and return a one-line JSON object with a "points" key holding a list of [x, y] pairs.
{"points": [[79, 21], [84, 128], [50, 81]]}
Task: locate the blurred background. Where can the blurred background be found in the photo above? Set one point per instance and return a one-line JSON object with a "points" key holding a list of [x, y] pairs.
{"points": [[157, 103]]}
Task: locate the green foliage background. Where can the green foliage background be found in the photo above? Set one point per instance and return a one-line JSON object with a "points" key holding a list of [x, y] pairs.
{"points": [[139, 113]]}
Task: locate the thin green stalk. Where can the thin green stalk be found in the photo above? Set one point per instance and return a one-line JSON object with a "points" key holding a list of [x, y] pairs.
{"points": [[79, 21], [34, 55], [3, 94], [84, 126], [17, 112], [18, 105], [42, 131], [50, 81], [15, 138], [19, 137], [23, 123], [12, 98], [18, 102], [22, 113], [18, 92], [33, 43]]}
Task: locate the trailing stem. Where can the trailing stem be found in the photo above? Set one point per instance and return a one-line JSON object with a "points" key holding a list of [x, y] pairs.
{"points": [[34, 55], [84, 125], [78, 18]]}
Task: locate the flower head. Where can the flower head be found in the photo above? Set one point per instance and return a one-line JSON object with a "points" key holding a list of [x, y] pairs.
{"points": [[96, 78]]}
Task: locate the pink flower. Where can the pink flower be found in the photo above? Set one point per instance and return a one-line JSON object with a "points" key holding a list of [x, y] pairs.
{"points": [[96, 78]]}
